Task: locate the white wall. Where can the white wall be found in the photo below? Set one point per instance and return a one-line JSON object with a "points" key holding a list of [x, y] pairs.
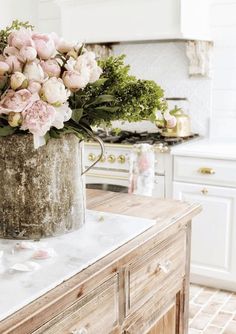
{"points": [[167, 64], [24, 10]]}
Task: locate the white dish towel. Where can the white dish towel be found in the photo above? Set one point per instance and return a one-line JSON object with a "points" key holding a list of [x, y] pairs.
{"points": [[141, 171]]}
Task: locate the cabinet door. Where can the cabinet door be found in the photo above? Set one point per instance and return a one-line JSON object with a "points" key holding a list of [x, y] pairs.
{"points": [[213, 233], [166, 325]]}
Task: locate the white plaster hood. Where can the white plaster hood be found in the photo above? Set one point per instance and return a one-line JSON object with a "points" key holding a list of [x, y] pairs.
{"points": [[104, 21]]}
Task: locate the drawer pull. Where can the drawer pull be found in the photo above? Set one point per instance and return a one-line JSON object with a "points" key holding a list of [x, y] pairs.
{"points": [[79, 331], [204, 191], [206, 170], [165, 266]]}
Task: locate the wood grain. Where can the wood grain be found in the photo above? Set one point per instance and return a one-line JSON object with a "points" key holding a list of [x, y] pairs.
{"points": [[63, 302]]}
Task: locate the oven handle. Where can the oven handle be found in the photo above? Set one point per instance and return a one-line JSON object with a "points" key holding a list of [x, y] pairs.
{"points": [[100, 142]]}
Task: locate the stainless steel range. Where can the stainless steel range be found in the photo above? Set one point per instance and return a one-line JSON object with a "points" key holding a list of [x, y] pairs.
{"points": [[112, 171]]}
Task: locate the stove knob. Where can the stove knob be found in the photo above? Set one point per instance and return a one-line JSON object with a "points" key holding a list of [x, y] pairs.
{"points": [[164, 149], [91, 157], [103, 158], [111, 158], [121, 159]]}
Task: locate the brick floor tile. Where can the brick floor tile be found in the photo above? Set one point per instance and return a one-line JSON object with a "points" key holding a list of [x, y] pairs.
{"points": [[221, 296], [221, 319], [193, 310], [194, 331], [203, 297], [200, 321], [230, 306], [212, 307], [231, 328], [212, 330]]}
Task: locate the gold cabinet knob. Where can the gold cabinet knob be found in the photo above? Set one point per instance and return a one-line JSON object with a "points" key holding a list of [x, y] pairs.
{"points": [[103, 158], [204, 191], [121, 159], [91, 157], [111, 158], [206, 170]]}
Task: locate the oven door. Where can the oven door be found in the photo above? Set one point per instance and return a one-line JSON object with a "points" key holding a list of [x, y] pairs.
{"points": [[114, 181], [119, 182]]}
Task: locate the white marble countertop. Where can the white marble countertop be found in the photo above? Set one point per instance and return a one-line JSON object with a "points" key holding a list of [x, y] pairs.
{"points": [[208, 148], [102, 234]]}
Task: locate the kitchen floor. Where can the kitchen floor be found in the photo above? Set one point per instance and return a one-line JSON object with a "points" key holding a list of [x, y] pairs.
{"points": [[211, 311]]}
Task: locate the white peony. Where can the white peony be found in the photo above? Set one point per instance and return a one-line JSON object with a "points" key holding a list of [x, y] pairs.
{"points": [[63, 114], [34, 71], [54, 91]]}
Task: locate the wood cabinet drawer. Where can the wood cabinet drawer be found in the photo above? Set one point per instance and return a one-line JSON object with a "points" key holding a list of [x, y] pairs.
{"points": [[155, 270], [205, 171], [95, 313]]}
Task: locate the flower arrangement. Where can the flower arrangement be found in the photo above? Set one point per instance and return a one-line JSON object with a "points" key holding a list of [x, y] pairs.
{"points": [[49, 87]]}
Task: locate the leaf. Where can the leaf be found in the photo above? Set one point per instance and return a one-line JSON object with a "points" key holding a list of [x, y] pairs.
{"points": [[54, 133], [77, 114], [6, 131], [99, 82], [105, 108], [102, 99]]}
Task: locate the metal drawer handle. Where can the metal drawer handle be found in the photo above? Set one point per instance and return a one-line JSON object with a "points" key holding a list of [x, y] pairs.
{"points": [[79, 331], [165, 266], [206, 170], [204, 191]]}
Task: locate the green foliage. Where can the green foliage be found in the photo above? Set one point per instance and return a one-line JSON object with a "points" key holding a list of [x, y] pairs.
{"points": [[117, 95]]}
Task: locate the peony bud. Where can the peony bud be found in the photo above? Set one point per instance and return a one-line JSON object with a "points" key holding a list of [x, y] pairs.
{"points": [[14, 119], [18, 81], [28, 53], [4, 67]]}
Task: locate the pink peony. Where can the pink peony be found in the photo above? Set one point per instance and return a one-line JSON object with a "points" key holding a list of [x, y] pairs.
{"points": [[4, 67], [17, 101], [28, 53], [38, 118], [34, 86], [64, 46], [51, 68], [20, 38], [14, 64], [75, 80], [44, 45], [88, 62]]}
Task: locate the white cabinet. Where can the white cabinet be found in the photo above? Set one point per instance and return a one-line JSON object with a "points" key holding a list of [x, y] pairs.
{"points": [[100, 21], [213, 233]]}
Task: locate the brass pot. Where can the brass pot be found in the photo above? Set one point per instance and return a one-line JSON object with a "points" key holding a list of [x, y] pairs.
{"points": [[182, 127]]}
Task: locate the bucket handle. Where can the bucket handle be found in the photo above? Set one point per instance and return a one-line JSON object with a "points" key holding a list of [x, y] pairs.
{"points": [[100, 142]]}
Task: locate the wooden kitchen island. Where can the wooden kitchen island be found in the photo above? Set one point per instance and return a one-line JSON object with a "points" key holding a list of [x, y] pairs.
{"points": [[139, 288]]}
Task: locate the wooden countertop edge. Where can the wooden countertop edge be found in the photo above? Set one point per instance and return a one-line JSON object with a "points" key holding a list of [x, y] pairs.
{"points": [[104, 267]]}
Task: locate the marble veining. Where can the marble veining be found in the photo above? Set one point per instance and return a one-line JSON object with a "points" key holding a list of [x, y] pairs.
{"points": [[102, 234]]}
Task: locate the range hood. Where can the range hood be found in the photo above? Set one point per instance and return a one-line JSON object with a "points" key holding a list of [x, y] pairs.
{"points": [[109, 21]]}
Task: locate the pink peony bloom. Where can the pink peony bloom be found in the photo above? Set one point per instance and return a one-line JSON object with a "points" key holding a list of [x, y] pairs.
{"points": [[14, 64], [17, 101], [38, 118], [51, 68], [44, 45], [87, 61], [75, 80], [27, 53], [33, 71], [171, 122], [34, 86], [4, 67], [64, 46], [10, 51], [20, 38]]}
